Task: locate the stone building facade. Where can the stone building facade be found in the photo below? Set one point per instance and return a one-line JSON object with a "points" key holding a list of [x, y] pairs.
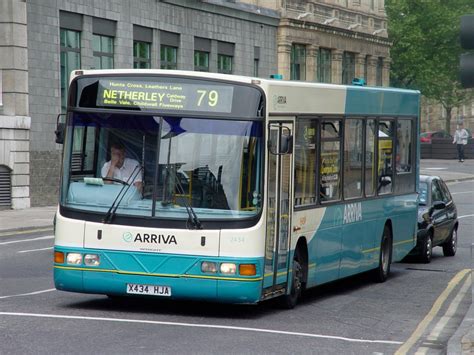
{"points": [[332, 41], [41, 41], [14, 109]]}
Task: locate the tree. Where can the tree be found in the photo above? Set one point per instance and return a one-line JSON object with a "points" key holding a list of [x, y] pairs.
{"points": [[426, 48]]}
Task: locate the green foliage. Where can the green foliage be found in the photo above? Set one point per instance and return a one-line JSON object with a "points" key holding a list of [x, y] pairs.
{"points": [[426, 47]]}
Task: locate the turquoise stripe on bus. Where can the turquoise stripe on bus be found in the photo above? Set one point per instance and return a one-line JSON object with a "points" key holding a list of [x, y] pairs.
{"points": [[381, 102]]}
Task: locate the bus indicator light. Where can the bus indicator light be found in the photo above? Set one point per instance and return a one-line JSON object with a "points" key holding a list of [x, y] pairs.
{"points": [[247, 269], [58, 257]]}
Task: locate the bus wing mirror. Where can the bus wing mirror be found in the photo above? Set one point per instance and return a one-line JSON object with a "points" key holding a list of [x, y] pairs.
{"points": [[286, 144], [60, 129]]}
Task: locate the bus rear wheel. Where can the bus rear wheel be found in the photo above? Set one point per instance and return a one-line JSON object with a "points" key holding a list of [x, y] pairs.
{"points": [[385, 259]]}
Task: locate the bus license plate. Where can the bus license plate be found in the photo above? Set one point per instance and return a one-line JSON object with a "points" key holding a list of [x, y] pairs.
{"points": [[152, 290]]}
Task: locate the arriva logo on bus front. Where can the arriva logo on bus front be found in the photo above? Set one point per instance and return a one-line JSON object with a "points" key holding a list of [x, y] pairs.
{"points": [[352, 212], [149, 238]]}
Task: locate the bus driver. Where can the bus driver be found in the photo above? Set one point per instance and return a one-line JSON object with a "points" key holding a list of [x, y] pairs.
{"points": [[121, 168]]}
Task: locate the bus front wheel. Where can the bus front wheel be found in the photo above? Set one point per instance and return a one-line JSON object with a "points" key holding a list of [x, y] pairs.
{"points": [[290, 300], [382, 271]]}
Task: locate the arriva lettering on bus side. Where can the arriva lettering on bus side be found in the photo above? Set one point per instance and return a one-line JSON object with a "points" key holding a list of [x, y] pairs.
{"points": [[232, 189]]}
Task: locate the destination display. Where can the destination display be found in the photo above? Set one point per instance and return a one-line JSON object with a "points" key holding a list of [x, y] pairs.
{"points": [[148, 95]]}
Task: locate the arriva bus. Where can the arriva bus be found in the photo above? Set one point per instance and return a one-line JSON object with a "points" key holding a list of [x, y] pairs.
{"points": [[238, 189]]}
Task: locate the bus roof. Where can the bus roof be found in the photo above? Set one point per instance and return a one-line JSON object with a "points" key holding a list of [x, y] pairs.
{"points": [[300, 97]]}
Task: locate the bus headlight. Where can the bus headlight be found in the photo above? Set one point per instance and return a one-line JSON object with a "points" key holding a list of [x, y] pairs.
{"points": [[92, 260], [228, 268], [74, 259], [209, 267]]}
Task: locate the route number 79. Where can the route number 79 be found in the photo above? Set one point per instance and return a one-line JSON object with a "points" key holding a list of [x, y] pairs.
{"points": [[212, 97]]}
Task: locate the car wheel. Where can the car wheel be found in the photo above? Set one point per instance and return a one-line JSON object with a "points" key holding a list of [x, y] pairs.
{"points": [[385, 258], [289, 301], [451, 245], [427, 249]]}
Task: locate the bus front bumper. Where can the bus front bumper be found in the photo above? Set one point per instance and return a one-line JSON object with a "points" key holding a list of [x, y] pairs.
{"points": [[108, 279]]}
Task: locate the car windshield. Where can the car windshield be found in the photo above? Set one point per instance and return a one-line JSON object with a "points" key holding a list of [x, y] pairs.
{"points": [[423, 197], [170, 163]]}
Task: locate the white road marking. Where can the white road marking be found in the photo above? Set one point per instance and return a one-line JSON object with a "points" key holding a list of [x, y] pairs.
{"points": [[28, 294], [27, 240], [31, 250], [467, 215], [434, 169], [192, 325], [461, 192]]}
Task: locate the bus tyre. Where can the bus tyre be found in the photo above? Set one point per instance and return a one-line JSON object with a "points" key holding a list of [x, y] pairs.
{"points": [[427, 249], [290, 300], [385, 258], [451, 245]]}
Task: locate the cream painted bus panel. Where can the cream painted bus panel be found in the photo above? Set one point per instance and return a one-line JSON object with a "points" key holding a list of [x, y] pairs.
{"points": [[69, 232]]}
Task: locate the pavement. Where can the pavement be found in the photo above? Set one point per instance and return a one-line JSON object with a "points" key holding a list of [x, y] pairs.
{"points": [[462, 342]]}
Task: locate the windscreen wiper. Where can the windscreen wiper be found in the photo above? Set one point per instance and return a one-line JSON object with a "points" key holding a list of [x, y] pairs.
{"points": [[109, 216], [192, 216]]}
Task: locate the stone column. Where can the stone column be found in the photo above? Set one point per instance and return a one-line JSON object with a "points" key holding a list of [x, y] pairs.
{"points": [[15, 122], [284, 54], [311, 62], [359, 66], [386, 72], [336, 66], [372, 71]]}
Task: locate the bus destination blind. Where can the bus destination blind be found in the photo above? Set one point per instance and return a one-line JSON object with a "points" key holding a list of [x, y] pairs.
{"points": [[149, 95]]}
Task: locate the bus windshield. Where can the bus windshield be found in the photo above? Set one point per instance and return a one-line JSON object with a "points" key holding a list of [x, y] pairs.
{"points": [[170, 163]]}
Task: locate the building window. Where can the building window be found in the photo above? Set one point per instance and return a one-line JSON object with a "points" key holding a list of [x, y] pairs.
{"points": [[348, 67], [353, 154], [255, 67], [142, 40], [168, 57], [5, 187], [225, 57], [379, 75], [141, 55], [201, 61], [324, 65], [70, 42], [103, 47], [305, 162], [202, 50], [298, 62], [224, 64]]}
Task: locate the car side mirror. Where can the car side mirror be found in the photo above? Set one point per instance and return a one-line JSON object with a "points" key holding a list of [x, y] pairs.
{"points": [[437, 205]]}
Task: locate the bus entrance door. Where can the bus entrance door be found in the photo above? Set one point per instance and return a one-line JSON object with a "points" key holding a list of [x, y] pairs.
{"points": [[277, 240]]}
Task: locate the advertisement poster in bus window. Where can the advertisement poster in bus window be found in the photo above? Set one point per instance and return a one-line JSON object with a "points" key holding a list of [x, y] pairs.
{"points": [[164, 96], [330, 170]]}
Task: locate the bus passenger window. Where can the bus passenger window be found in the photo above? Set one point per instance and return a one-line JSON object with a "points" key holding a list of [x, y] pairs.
{"points": [[353, 158], [385, 161], [305, 162], [330, 161], [369, 157]]}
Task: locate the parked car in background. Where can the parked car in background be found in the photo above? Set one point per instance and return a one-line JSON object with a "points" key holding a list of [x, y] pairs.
{"points": [[437, 219], [426, 137]]}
